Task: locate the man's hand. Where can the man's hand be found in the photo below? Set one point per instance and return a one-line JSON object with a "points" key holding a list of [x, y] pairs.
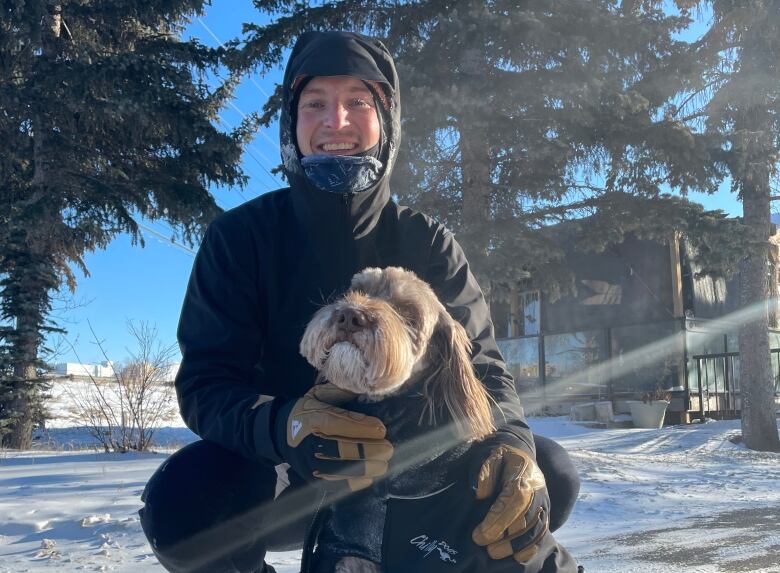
{"points": [[519, 517], [320, 440]]}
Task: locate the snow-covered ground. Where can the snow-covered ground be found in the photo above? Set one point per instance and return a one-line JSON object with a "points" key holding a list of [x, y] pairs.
{"points": [[681, 498]]}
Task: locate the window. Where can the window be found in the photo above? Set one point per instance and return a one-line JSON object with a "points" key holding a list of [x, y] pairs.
{"points": [[570, 360], [522, 360], [524, 314]]}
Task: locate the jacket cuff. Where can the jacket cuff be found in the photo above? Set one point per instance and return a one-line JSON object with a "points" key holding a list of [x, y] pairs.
{"points": [[265, 419]]}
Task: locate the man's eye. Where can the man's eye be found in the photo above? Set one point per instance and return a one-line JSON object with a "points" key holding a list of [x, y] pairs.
{"points": [[312, 104], [359, 102]]}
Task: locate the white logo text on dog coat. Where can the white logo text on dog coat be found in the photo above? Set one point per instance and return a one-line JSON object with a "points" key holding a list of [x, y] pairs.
{"points": [[428, 546]]}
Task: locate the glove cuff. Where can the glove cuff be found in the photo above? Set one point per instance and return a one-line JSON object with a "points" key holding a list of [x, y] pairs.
{"points": [[271, 429], [507, 437], [481, 450]]}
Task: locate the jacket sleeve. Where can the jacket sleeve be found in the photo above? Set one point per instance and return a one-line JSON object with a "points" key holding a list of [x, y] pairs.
{"points": [[221, 334], [453, 282]]}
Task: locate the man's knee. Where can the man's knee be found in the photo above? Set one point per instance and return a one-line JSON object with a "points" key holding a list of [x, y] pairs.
{"points": [[203, 510], [563, 481]]}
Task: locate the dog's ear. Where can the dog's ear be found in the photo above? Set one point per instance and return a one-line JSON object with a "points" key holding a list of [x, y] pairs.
{"points": [[453, 384]]}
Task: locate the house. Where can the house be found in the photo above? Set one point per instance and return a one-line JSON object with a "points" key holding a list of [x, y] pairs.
{"points": [[103, 370], [641, 319]]}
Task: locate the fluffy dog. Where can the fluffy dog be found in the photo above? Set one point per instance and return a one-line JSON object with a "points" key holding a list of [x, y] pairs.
{"points": [[389, 336]]}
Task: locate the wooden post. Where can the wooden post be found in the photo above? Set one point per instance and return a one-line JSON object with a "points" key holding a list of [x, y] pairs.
{"points": [[679, 315], [677, 288]]}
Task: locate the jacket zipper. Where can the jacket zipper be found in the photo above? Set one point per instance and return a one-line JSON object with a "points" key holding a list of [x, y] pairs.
{"points": [[346, 237]]}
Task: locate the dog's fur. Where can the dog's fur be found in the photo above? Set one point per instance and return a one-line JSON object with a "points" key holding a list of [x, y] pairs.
{"points": [[390, 331]]}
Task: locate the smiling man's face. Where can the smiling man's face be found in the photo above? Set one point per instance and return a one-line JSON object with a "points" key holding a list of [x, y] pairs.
{"points": [[336, 116]]}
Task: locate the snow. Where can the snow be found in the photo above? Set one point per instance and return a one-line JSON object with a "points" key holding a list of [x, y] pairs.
{"points": [[682, 498]]}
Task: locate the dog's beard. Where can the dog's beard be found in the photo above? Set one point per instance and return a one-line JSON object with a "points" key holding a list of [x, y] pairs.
{"points": [[374, 362], [345, 366]]}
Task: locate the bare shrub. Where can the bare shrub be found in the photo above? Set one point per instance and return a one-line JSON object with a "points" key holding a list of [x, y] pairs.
{"points": [[123, 413]]}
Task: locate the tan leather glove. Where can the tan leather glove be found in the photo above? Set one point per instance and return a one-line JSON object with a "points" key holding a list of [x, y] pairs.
{"points": [[321, 440], [519, 517]]}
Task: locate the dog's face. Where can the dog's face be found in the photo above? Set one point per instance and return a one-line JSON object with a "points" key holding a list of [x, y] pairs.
{"points": [[376, 336], [389, 330]]}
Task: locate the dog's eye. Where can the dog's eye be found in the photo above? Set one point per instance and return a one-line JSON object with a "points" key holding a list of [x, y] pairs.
{"points": [[364, 292]]}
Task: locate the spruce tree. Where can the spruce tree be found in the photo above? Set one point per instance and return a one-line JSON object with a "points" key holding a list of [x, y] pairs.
{"points": [[739, 93], [105, 116], [521, 115]]}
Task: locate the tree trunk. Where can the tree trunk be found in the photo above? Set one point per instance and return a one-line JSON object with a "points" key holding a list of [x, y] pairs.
{"points": [[475, 172], [753, 148], [20, 436], [759, 422], [30, 298], [25, 302], [475, 164]]}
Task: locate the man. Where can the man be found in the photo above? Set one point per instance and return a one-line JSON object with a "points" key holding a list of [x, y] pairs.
{"points": [[261, 272]]}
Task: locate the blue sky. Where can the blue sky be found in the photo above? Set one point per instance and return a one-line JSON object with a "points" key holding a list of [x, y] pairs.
{"points": [[147, 284]]}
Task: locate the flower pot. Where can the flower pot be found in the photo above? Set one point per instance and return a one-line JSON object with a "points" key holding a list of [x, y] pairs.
{"points": [[648, 415]]}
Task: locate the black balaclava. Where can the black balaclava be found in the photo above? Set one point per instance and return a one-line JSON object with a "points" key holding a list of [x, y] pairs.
{"points": [[341, 54]]}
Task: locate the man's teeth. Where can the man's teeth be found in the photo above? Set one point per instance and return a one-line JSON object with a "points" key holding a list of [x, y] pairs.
{"points": [[337, 146]]}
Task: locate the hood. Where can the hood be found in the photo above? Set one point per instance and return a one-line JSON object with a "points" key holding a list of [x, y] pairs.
{"points": [[340, 54]]}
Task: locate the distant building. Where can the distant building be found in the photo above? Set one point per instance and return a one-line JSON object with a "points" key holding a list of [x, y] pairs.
{"points": [[166, 374], [103, 370], [170, 372]]}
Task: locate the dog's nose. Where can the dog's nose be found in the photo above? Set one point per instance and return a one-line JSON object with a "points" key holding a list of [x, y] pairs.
{"points": [[350, 320]]}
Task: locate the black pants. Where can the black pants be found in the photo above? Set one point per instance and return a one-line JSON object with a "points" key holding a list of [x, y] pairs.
{"points": [[208, 510]]}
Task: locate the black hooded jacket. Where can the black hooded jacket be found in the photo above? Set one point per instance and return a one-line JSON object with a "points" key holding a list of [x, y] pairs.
{"points": [[265, 267]]}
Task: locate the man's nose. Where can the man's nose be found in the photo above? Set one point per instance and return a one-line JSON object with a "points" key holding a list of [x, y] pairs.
{"points": [[336, 117], [349, 320]]}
